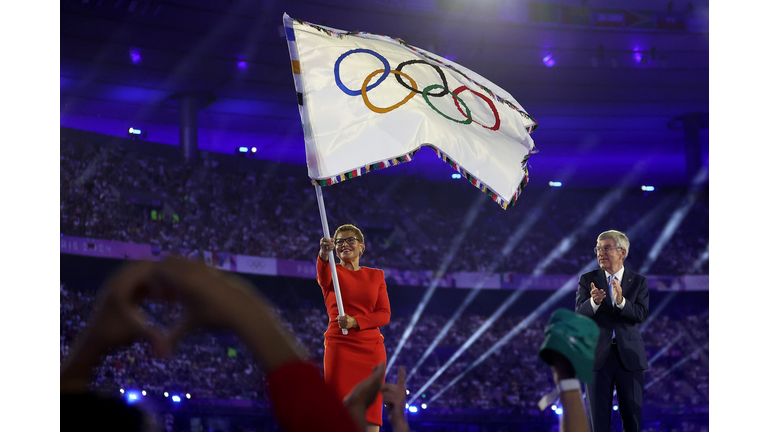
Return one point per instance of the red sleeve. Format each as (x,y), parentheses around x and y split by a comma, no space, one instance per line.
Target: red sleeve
(381,312)
(302,401)
(324,277)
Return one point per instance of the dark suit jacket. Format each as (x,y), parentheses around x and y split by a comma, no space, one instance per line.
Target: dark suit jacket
(634,289)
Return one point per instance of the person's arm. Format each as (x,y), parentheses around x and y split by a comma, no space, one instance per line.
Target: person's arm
(235,304)
(637,311)
(574,417)
(381,312)
(212,300)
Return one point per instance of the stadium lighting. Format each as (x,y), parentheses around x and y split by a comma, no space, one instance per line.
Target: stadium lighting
(559,411)
(615,407)
(510,245)
(455,176)
(165,394)
(242,149)
(648,188)
(549,61)
(122,391)
(407,392)
(135,54)
(423,406)
(469,219)
(176,398)
(413,409)
(554,407)
(555,183)
(143,392)
(132,396)
(136,133)
(189,396)
(253,149)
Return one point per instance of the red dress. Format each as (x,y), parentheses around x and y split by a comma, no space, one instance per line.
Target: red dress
(350,359)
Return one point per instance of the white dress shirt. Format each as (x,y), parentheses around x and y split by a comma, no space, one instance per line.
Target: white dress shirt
(619,274)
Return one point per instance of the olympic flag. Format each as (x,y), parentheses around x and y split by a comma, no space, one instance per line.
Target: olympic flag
(370,101)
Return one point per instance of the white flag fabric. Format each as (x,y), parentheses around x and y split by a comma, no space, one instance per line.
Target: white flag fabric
(371,101)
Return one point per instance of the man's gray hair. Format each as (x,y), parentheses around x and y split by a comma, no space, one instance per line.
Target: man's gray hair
(621,239)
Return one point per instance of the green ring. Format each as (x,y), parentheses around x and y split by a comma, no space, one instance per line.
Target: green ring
(425,94)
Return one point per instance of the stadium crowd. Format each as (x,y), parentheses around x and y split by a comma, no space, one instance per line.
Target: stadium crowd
(114,194)
(217,365)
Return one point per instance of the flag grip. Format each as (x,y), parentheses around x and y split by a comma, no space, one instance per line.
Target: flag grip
(331,260)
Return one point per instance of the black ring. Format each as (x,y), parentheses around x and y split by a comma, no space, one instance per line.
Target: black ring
(400,67)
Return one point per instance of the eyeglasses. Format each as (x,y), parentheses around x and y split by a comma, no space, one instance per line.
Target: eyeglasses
(608,249)
(349,240)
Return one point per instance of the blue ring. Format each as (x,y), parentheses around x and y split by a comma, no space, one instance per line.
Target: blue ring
(372,86)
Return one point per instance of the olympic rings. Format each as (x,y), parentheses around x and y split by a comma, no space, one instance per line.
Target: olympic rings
(359,50)
(468,115)
(439,72)
(413,88)
(386,110)
(486,99)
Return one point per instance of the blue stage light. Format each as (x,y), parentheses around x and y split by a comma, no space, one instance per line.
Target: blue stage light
(648,188)
(176,398)
(549,61)
(615,407)
(132,396)
(455,176)
(559,411)
(555,183)
(423,406)
(242,149)
(413,409)
(554,407)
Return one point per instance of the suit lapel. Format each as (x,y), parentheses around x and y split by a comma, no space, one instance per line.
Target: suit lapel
(602,280)
(626,281)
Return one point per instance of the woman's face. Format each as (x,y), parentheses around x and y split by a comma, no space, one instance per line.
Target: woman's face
(346,251)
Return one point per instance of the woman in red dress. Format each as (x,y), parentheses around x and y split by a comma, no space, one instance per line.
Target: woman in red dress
(350,359)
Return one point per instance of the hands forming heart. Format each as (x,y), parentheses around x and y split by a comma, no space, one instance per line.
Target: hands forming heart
(211,299)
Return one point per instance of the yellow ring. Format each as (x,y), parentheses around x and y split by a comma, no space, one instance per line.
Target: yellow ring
(386,110)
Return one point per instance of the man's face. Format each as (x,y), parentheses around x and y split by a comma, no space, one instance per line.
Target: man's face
(609,257)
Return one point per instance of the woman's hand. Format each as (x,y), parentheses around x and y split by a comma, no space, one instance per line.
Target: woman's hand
(347,322)
(326,245)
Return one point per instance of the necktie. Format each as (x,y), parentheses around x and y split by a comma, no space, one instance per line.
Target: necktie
(610,289)
(613,300)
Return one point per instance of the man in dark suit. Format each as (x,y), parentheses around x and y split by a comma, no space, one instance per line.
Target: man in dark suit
(617,299)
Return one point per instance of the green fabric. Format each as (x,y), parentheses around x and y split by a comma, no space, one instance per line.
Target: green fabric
(574,336)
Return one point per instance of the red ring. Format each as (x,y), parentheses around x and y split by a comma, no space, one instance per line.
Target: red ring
(486,99)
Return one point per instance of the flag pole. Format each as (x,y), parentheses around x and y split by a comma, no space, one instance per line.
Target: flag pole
(327,233)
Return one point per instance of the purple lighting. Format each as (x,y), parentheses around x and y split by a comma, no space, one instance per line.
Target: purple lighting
(242,64)
(135,55)
(548,61)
